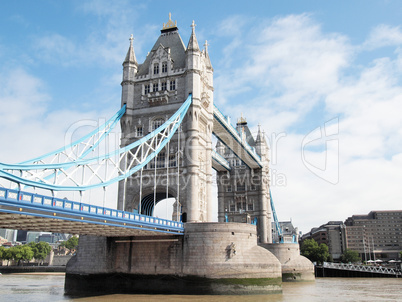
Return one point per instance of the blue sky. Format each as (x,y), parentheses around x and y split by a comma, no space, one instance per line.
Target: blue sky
(293,66)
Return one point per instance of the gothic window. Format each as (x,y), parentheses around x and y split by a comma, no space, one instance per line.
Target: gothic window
(173,85)
(160,160)
(232,208)
(156,123)
(250,207)
(155,87)
(139,131)
(164,67)
(241,187)
(156,68)
(241,206)
(229,189)
(147,88)
(163,86)
(172,160)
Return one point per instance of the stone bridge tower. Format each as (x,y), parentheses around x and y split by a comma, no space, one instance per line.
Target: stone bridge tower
(243,193)
(153,91)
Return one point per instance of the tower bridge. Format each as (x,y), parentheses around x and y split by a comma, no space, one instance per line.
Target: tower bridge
(167,120)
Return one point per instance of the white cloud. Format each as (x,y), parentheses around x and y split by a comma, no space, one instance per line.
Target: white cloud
(383,35)
(292,69)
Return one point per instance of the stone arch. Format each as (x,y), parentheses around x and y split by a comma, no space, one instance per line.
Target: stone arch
(147,202)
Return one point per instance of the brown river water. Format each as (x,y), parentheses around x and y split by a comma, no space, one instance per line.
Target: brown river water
(37,287)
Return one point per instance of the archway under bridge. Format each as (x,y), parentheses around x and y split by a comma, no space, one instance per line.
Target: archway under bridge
(149,201)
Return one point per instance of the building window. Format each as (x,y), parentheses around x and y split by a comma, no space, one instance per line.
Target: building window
(229,189)
(160,160)
(164,67)
(232,208)
(250,207)
(147,88)
(156,124)
(163,86)
(173,85)
(139,131)
(172,160)
(155,87)
(156,68)
(241,187)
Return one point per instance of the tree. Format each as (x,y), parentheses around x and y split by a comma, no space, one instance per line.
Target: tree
(350,256)
(2,249)
(22,252)
(40,250)
(71,243)
(316,253)
(7,255)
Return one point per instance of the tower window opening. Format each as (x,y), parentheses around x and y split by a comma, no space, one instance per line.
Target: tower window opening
(156,124)
(156,68)
(173,85)
(241,187)
(160,160)
(164,67)
(155,87)
(163,86)
(172,160)
(147,88)
(139,131)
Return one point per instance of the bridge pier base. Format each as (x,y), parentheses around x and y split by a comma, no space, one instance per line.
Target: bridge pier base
(211,258)
(294,266)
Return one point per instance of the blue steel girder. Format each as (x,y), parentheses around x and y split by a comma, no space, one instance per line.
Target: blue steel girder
(100,171)
(27,211)
(229,136)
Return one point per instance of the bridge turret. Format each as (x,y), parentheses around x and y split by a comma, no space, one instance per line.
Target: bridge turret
(261,145)
(153,92)
(130,68)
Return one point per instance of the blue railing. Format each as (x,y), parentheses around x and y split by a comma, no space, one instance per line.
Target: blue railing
(21,198)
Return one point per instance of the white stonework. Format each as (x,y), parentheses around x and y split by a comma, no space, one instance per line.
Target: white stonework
(153,91)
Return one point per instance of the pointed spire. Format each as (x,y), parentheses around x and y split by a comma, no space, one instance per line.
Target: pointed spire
(259,135)
(130,57)
(207,59)
(193,44)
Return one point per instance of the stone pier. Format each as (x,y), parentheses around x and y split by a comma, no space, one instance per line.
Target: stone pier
(211,258)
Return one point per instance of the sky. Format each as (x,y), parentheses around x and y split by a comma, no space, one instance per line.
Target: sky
(323,78)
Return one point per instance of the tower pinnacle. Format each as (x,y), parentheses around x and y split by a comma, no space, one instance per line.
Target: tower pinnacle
(193,44)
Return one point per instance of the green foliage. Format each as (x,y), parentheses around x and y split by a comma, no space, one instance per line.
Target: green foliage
(7,254)
(40,249)
(350,256)
(2,249)
(315,252)
(22,252)
(71,243)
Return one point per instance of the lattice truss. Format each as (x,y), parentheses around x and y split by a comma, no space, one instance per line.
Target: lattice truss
(72,169)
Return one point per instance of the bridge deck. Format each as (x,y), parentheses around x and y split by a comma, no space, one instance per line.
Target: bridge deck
(26,211)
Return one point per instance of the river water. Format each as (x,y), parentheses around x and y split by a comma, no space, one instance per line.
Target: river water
(37,287)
